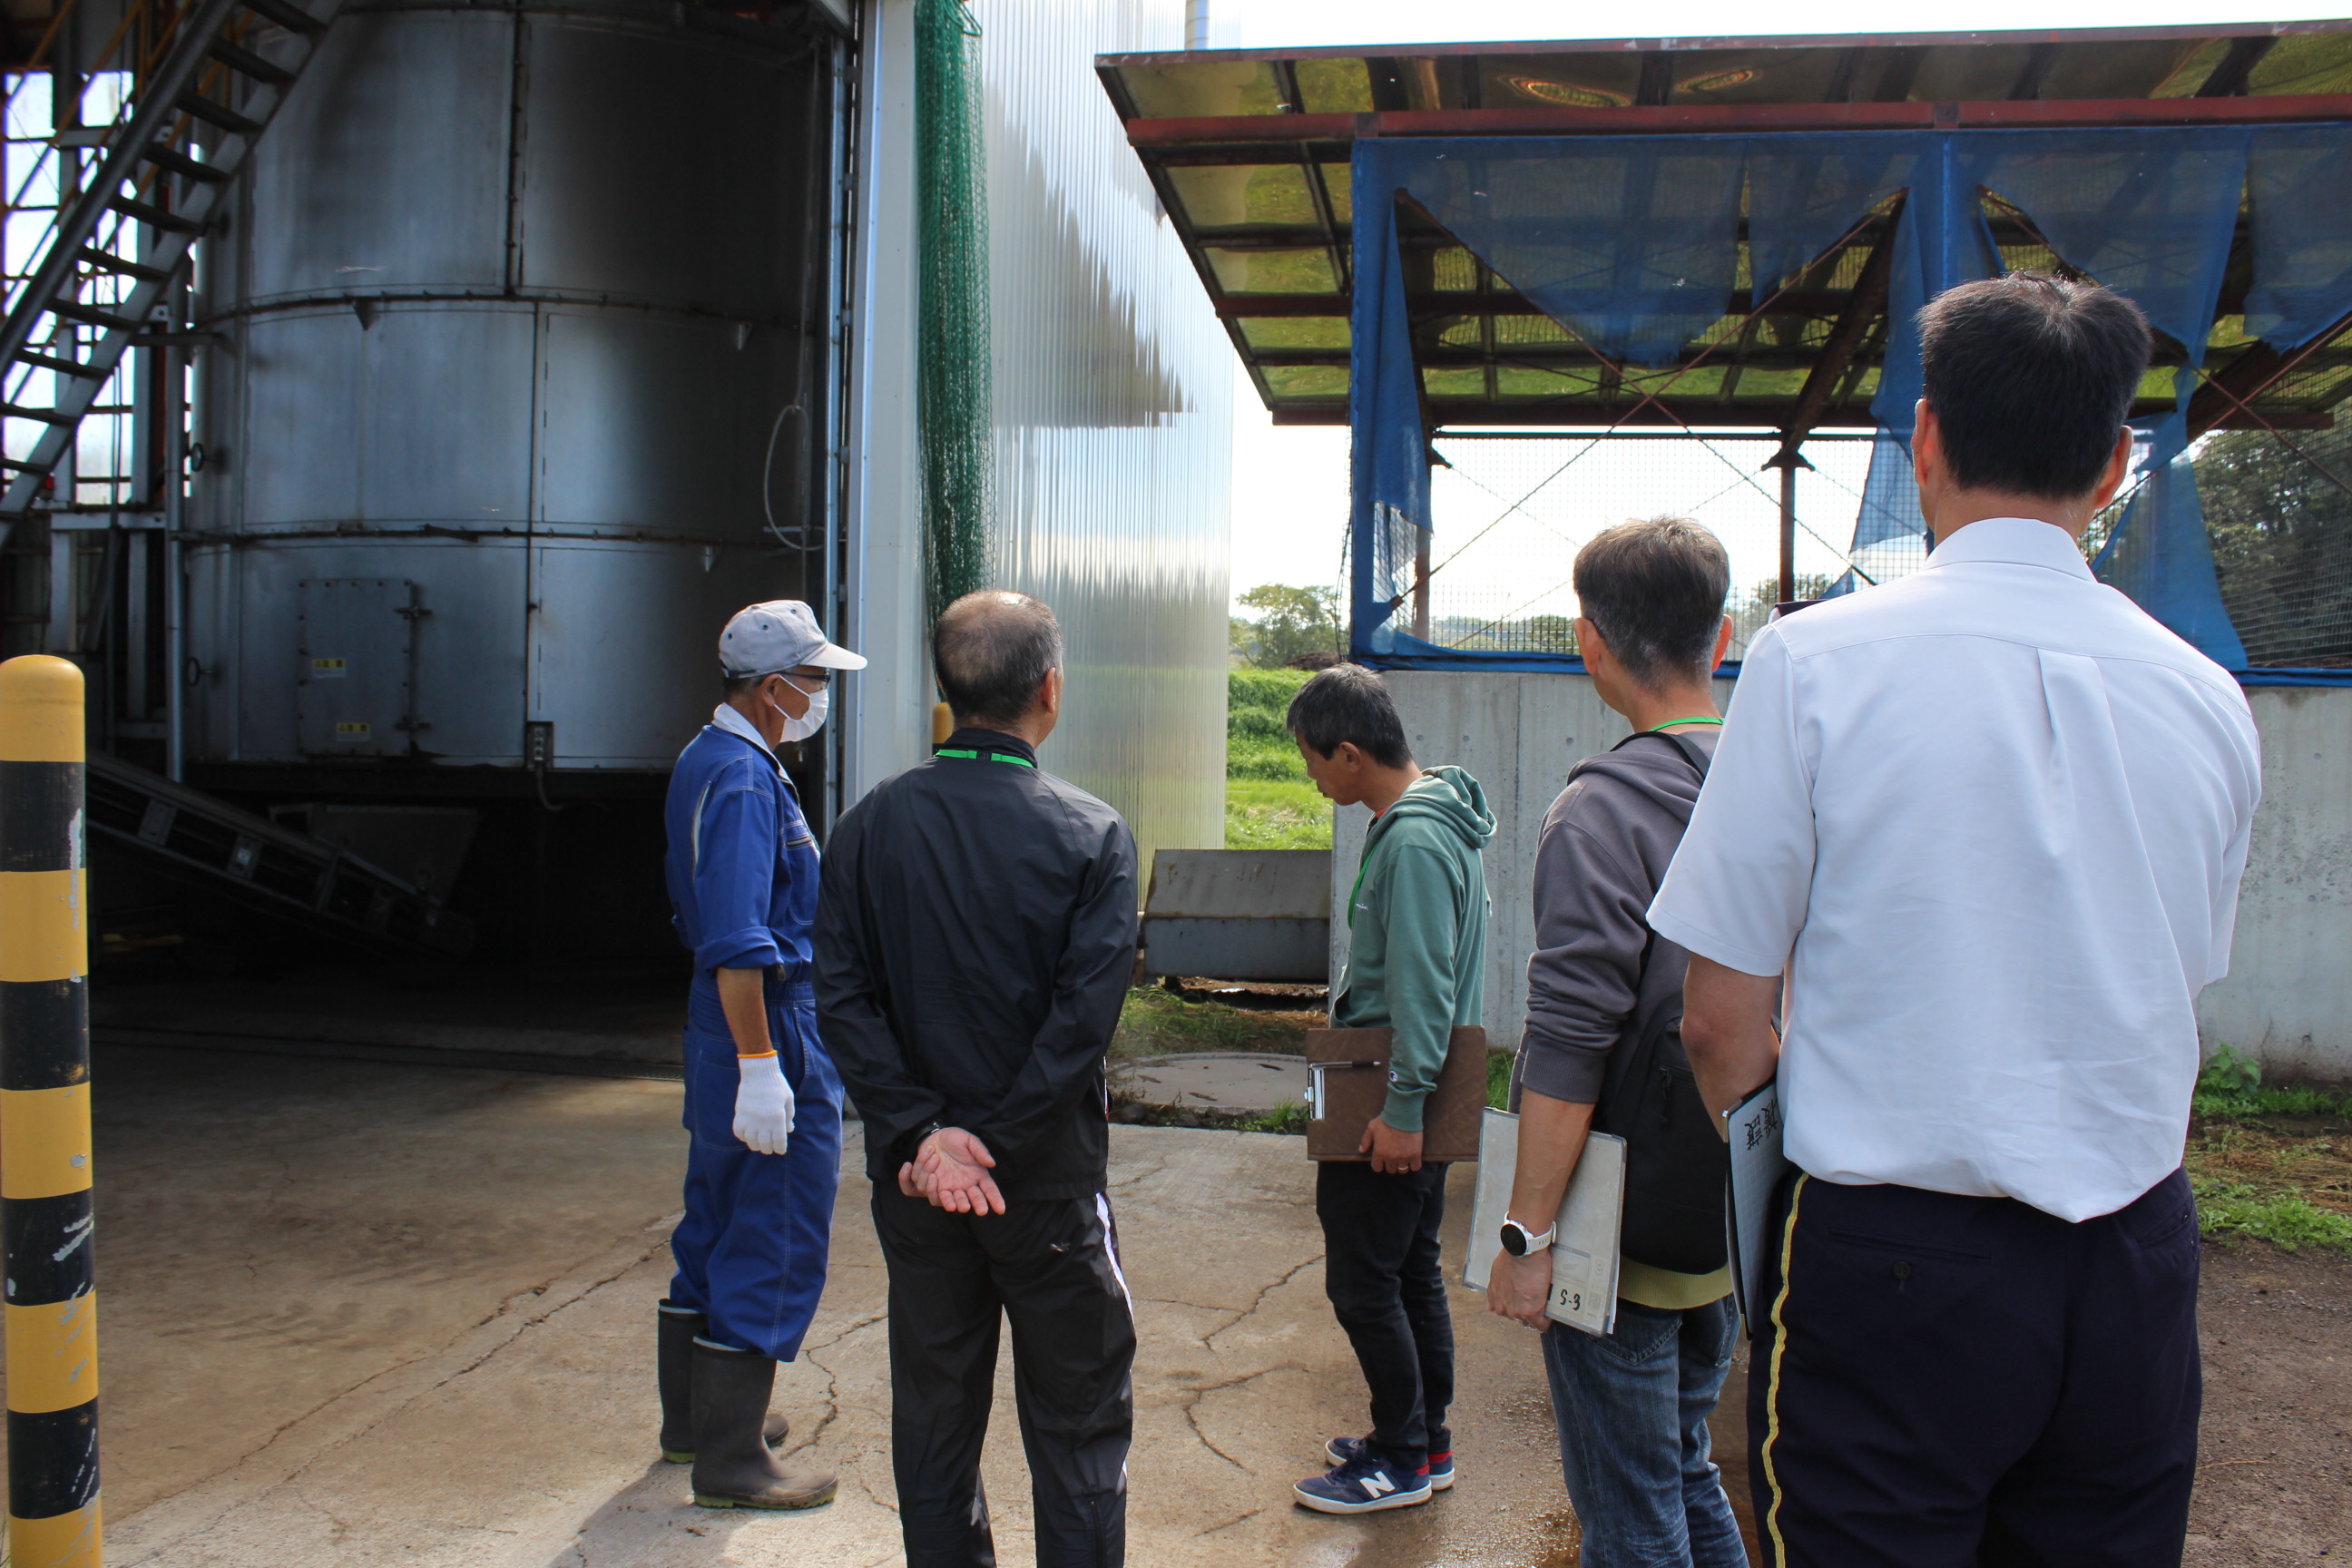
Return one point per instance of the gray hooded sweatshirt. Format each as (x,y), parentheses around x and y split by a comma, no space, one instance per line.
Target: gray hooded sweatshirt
(1602,852)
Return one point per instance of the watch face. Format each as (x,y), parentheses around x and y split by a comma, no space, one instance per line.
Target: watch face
(1515,1240)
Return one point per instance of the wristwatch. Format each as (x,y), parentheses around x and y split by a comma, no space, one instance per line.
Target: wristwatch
(1518,1240)
(914,1140)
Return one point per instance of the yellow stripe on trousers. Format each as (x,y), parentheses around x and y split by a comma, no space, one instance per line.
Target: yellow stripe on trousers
(53,1354)
(44,925)
(1772,1382)
(46,1151)
(68,1541)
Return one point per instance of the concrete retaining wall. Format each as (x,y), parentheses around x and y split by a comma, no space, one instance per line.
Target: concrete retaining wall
(2288,999)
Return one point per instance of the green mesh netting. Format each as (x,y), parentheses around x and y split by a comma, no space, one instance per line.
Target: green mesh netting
(952,411)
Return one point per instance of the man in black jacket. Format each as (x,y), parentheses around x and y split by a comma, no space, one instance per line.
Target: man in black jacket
(974,937)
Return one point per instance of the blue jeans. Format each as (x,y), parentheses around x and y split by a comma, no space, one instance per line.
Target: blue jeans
(1633,1445)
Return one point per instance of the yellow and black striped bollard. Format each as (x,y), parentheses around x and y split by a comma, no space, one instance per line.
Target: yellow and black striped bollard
(51,1308)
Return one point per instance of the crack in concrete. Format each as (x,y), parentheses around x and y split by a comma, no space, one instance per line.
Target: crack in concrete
(831,1397)
(1242,1519)
(1193,1398)
(510,1339)
(1259,1300)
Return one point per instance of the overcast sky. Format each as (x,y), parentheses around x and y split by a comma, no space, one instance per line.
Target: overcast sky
(1290,486)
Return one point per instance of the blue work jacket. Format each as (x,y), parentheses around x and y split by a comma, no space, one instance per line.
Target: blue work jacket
(742,864)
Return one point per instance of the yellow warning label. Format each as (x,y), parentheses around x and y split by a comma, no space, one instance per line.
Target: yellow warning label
(328,669)
(352,730)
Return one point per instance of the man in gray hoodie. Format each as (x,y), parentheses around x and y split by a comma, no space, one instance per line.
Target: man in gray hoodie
(1604,1009)
(1417,926)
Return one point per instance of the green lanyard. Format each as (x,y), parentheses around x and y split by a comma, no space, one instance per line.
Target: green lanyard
(1696,718)
(1018,761)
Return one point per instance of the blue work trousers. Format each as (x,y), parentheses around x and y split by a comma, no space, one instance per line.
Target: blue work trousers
(1633,1445)
(751,1250)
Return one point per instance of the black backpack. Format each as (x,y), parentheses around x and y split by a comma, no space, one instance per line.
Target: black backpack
(1677,1164)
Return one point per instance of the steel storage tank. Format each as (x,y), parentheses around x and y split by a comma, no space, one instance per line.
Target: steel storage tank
(518,334)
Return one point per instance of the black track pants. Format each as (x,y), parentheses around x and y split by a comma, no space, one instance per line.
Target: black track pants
(1052,1266)
(1386,1281)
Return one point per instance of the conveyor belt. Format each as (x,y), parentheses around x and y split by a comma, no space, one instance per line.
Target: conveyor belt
(188,835)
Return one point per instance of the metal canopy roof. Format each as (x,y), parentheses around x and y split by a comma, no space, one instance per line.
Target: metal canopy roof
(1249,152)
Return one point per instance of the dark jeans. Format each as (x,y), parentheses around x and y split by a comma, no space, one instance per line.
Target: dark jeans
(1051,1266)
(1634,1444)
(1951,1381)
(1382,1272)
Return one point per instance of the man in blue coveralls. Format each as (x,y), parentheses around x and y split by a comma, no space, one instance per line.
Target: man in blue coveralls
(762,1102)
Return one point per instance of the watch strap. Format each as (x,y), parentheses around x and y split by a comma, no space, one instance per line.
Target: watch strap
(1535,1240)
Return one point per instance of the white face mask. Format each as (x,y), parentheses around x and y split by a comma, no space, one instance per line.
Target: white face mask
(810,722)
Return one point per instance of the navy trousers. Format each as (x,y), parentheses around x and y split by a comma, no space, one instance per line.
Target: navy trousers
(1949,1382)
(752,1248)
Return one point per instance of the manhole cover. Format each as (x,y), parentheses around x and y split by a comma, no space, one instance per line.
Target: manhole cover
(1213,1081)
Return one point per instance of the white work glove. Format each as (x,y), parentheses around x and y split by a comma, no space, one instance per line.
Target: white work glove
(763,1104)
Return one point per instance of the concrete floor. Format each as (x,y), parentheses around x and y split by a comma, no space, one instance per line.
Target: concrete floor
(358,1314)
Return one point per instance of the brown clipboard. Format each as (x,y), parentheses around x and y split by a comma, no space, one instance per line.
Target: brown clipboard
(1354,1094)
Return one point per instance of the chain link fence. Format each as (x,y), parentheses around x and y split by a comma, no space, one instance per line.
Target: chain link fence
(1511,509)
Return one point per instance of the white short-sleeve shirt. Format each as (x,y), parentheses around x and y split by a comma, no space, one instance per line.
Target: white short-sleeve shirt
(1993,818)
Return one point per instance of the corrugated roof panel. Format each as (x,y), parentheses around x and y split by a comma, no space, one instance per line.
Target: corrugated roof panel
(1230,137)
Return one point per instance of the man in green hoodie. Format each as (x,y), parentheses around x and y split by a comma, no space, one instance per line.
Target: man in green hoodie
(1417,923)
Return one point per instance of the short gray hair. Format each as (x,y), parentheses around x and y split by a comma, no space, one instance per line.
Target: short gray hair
(1656,589)
(992,650)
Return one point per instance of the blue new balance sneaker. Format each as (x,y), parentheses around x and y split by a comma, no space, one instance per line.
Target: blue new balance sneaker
(1363,1485)
(1344,1450)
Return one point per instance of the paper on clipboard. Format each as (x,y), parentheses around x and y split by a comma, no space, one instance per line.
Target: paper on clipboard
(1584,1255)
(1757,1167)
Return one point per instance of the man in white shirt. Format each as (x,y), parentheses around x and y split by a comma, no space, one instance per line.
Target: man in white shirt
(1990,820)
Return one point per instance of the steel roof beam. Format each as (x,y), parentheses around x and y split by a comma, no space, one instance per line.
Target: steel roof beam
(1730,119)
(1773,42)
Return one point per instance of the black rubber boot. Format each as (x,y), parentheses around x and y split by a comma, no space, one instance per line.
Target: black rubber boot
(732,1467)
(674,1369)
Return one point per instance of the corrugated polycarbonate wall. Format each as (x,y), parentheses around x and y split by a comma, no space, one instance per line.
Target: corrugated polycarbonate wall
(1113,408)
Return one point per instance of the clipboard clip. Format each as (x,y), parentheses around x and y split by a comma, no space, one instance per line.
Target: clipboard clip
(1315,1071)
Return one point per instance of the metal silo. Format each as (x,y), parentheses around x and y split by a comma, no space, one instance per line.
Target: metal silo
(516,376)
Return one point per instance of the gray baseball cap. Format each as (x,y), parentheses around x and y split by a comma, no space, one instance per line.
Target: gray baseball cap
(782,633)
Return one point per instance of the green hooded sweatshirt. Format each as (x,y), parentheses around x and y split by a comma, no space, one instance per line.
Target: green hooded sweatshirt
(1417,922)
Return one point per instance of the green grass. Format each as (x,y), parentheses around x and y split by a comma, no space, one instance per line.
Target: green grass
(1288,1116)
(2287,1220)
(1499,1079)
(1154,1022)
(1269,802)
(1267,813)
(2269,1161)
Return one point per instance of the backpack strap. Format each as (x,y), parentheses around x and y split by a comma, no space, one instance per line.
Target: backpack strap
(1631,1053)
(1690,754)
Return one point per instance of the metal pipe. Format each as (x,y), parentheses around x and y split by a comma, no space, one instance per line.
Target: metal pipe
(1421,584)
(1196,24)
(840,253)
(135,649)
(175,587)
(1788,525)
(51,1314)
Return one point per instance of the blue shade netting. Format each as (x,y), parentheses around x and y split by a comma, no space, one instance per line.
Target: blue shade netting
(1389,457)
(1630,243)
(2162,557)
(2299,201)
